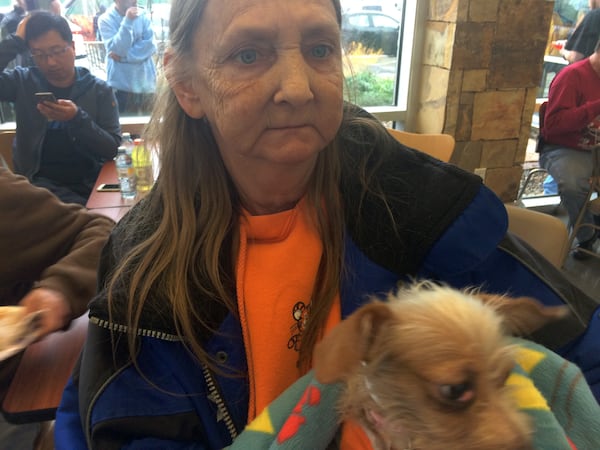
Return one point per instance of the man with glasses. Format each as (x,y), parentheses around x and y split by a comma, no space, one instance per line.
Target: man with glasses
(60,145)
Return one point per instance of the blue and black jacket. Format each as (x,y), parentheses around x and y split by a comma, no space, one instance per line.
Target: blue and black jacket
(447,226)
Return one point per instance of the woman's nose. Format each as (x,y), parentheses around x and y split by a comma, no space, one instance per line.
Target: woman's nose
(295,80)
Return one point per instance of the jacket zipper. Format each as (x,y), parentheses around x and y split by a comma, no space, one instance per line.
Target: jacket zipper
(215,397)
(213,391)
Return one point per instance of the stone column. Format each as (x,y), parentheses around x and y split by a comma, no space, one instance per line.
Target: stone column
(481,66)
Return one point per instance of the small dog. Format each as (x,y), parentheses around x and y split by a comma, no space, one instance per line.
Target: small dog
(426,370)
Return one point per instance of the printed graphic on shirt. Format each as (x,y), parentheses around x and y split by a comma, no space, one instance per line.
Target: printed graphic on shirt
(300,314)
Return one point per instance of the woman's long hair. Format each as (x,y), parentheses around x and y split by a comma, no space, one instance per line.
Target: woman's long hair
(192,252)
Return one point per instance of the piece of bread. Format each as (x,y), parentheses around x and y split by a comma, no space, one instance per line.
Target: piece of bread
(16,326)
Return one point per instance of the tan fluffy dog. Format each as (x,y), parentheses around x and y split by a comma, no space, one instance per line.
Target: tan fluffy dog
(426,370)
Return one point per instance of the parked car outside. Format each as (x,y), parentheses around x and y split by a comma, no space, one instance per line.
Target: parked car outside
(373,29)
(393,8)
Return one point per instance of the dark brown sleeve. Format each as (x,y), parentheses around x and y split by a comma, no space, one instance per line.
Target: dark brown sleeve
(49,243)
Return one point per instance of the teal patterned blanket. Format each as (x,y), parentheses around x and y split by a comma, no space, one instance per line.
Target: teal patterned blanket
(550,389)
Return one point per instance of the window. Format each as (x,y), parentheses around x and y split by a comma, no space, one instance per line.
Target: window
(377,36)
(384,22)
(566,15)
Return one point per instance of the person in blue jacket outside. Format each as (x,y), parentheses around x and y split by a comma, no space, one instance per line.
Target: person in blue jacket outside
(127,34)
(279,210)
(59,145)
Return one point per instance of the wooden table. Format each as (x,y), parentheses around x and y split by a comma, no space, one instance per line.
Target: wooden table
(45,367)
(101,200)
(110,204)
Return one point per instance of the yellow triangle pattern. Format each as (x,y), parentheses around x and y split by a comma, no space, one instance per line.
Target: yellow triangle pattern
(523,389)
(525,393)
(262,423)
(528,358)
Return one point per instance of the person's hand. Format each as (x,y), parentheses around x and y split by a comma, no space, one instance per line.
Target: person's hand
(133,13)
(113,55)
(56,310)
(62,110)
(21,27)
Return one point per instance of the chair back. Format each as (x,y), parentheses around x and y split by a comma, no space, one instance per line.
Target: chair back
(438,145)
(545,233)
(590,206)
(6,142)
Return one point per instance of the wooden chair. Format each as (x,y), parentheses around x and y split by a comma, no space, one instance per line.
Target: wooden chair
(591,205)
(545,233)
(440,146)
(6,141)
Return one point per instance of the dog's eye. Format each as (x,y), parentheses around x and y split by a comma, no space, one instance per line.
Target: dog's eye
(461,393)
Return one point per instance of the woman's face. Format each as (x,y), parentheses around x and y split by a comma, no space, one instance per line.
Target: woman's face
(268,79)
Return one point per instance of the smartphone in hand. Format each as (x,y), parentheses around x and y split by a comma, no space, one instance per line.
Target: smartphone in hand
(45,97)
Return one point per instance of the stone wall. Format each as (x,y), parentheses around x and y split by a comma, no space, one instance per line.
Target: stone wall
(482,63)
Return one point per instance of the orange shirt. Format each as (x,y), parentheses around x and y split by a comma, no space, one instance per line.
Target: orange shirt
(276,270)
(354,437)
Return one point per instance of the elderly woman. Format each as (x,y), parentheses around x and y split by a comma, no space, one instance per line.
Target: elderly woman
(279,209)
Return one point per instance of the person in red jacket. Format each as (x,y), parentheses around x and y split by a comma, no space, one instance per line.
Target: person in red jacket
(571,130)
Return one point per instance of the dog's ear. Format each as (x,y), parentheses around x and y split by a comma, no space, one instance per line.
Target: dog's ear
(347,344)
(523,315)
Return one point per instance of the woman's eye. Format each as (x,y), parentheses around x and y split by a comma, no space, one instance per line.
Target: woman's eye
(247,56)
(320,51)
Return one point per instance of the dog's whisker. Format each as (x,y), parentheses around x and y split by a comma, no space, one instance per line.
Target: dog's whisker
(369,386)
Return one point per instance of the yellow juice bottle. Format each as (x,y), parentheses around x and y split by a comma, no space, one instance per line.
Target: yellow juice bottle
(142,162)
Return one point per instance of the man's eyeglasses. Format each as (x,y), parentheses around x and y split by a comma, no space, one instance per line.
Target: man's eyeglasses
(54,52)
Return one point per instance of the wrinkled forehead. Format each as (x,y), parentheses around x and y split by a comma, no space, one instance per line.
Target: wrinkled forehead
(222,15)
(241,5)
(235,21)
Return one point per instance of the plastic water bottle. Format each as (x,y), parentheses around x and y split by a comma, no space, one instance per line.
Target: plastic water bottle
(142,162)
(126,174)
(127,142)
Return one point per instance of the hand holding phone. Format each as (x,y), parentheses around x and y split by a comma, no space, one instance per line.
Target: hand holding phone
(45,97)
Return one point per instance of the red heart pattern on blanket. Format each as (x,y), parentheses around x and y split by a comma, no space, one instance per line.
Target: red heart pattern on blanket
(310,397)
